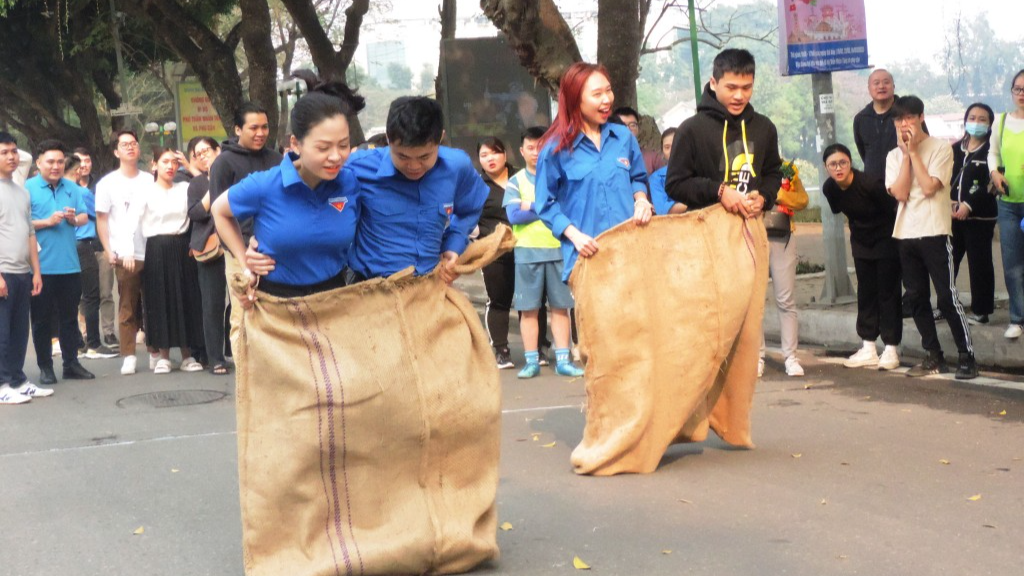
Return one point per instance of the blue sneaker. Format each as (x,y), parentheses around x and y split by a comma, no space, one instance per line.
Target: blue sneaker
(568,369)
(529,371)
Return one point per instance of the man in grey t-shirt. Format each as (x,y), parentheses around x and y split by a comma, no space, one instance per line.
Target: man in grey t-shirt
(20,279)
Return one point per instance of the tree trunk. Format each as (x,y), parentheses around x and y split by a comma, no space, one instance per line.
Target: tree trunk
(539,36)
(259,51)
(618,46)
(449,21)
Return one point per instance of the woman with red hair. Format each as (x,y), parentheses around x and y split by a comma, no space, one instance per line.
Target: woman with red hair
(590,174)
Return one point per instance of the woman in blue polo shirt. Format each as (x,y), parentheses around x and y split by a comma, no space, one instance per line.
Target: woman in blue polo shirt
(305,210)
(590,175)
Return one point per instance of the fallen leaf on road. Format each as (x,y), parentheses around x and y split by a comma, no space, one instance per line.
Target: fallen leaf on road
(824,502)
(551,445)
(946,462)
(579,564)
(174,470)
(844,463)
(139,531)
(807,386)
(506,526)
(797,455)
(666,552)
(866,398)
(535,436)
(975,498)
(842,557)
(905,410)
(685,501)
(1003,413)
(988,525)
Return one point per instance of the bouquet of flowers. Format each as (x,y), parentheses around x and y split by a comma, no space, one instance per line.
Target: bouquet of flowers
(790,182)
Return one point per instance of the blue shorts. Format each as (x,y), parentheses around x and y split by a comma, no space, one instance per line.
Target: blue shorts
(534,280)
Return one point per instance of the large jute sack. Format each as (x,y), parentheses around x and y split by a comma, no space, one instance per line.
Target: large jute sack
(368,428)
(669,319)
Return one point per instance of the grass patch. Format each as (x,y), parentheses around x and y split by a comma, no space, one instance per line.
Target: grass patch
(805,267)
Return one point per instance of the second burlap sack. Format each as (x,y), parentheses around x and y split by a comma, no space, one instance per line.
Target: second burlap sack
(670,328)
(368,428)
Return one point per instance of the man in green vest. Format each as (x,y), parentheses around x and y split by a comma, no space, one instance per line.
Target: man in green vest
(538,257)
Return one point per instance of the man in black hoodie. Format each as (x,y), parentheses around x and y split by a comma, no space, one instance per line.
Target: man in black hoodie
(239,157)
(873,129)
(726,153)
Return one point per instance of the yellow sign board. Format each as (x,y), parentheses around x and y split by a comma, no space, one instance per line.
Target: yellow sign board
(198,116)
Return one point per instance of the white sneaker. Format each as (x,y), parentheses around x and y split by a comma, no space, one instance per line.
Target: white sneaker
(760,367)
(866,356)
(1013,332)
(890,359)
(128,367)
(793,367)
(9,395)
(153,359)
(32,391)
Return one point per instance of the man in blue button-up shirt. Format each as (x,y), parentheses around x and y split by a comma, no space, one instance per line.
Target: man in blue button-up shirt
(57,210)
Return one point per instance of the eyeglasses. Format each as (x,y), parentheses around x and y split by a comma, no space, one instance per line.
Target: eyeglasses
(128,145)
(632,125)
(1017,90)
(202,153)
(838,164)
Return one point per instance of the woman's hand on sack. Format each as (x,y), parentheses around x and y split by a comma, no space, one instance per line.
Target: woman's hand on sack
(248,300)
(257,262)
(447,272)
(584,244)
(642,210)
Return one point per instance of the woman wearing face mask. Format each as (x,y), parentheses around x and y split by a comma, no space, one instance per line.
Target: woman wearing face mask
(1006,153)
(974,210)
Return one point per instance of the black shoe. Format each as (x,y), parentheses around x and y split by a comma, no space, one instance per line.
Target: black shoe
(504,358)
(937,315)
(47,377)
(976,319)
(966,368)
(542,357)
(933,363)
(77,372)
(111,340)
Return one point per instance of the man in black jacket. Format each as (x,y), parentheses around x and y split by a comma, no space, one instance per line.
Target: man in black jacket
(239,157)
(726,153)
(873,129)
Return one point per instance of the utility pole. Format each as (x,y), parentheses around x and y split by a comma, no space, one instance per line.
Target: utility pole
(838,288)
(698,86)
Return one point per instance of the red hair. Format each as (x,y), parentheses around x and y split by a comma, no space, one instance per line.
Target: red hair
(569,122)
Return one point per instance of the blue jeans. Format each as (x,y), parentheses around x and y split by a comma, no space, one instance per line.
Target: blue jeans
(14,322)
(1011,240)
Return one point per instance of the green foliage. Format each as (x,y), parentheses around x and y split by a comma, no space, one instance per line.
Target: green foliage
(399,76)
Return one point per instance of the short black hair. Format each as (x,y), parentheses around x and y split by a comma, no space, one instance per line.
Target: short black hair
(190,148)
(71,163)
(614,119)
(533,133)
(246,109)
(492,142)
(626,111)
(415,121)
(907,106)
(82,150)
(7,138)
(50,145)
(377,141)
(669,132)
(832,149)
(117,137)
(735,60)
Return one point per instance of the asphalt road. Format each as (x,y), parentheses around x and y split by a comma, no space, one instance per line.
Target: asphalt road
(856,472)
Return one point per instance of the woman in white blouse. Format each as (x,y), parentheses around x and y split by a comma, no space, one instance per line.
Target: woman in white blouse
(170,280)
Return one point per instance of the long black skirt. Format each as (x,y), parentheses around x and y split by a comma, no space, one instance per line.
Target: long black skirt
(171,298)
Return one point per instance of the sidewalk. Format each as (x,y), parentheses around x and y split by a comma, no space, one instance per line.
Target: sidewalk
(833,326)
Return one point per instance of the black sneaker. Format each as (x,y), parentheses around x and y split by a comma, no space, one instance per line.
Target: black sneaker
(542,357)
(933,363)
(966,368)
(111,341)
(976,319)
(504,358)
(77,372)
(101,352)
(937,315)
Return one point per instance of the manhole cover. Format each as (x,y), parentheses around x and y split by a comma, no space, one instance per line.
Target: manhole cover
(171,399)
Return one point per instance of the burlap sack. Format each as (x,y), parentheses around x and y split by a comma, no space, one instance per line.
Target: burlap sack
(368,428)
(669,319)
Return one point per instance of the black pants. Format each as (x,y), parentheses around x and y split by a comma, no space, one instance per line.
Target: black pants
(14,328)
(879,305)
(500,282)
(213,287)
(59,299)
(974,238)
(932,257)
(90,304)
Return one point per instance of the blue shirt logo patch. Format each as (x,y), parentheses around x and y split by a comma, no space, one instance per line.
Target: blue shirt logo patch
(624,162)
(338,202)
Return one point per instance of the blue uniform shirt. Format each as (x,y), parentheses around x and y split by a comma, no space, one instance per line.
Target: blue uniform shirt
(588,188)
(308,232)
(58,252)
(411,223)
(88,230)
(659,197)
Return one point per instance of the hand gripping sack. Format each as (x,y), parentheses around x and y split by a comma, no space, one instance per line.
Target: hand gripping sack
(669,318)
(368,428)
